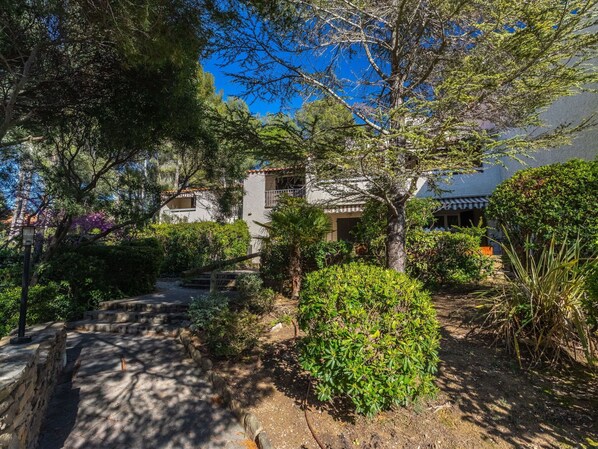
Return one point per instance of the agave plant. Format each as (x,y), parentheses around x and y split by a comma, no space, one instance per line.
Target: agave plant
(541,305)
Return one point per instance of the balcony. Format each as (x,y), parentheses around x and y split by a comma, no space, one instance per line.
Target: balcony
(272,196)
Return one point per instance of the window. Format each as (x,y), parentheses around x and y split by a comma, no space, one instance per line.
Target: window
(344,229)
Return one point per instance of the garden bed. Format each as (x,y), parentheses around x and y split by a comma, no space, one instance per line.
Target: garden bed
(484,399)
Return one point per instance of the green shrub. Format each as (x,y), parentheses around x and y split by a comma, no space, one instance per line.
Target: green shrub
(131,267)
(9,309)
(85,277)
(91,274)
(541,307)
(192,245)
(371,229)
(11,268)
(372,335)
(249,285)
(447,257)
(275,261)
(325,254)
(590,301)
(204,309)
(49,302)
(557,200)
(232,333)
(253,296)
(228,328)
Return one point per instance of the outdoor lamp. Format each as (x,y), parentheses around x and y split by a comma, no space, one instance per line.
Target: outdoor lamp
(28,233)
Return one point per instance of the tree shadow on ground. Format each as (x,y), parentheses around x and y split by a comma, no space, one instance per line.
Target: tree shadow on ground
(132,391)
(513,405)
(479,383)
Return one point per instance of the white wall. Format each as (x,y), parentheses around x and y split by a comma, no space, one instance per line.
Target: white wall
(584,146)
(205,210)
(254,206)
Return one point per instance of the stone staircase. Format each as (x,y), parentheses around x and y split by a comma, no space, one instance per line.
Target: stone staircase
(225,280)
(135,317)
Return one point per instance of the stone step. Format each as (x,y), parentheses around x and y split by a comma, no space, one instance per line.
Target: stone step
(125,328)
(205,283)
(120,316)
(220,276)
(144,306)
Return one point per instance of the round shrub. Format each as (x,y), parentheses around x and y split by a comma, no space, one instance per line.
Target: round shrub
(372,335)
(231,333)
(205,308)
(252,294)
(557,200)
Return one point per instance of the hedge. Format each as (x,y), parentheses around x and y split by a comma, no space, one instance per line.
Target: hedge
(192,245)
(557,200)
(447,257)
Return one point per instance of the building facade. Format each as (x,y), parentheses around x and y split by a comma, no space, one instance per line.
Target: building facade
(462,204)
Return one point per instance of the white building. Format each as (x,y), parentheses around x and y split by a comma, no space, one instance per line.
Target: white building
(463,202)
(195,204)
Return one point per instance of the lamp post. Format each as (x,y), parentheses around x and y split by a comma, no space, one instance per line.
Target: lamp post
(28,235)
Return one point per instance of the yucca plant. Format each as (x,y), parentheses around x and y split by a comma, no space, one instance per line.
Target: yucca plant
(541,306)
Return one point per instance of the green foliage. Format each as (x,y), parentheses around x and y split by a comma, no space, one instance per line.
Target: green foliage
(372,335)
(131,267)
(226,331)
(447,257)
(590,301)
(434,257)
(232,333)
(49,302)
(275,261)
(11,268)
(9,309)
(371,229)
(192,245)
(541,307)
(229,325)
(204,309)
(90,274)
(557,200)
(253,295)
(297,223)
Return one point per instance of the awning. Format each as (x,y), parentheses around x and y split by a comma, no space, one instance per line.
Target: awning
(463,203)
(344,209)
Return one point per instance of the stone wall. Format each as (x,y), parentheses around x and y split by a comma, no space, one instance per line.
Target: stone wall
(28,374)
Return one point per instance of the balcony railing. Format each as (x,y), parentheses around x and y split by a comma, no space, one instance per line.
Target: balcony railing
(272,196)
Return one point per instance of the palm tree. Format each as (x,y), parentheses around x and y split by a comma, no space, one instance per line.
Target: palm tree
(297,224)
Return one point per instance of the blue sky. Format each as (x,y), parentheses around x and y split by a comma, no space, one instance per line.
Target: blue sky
(229,88)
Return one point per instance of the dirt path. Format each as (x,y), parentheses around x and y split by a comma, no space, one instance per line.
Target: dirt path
(137,393)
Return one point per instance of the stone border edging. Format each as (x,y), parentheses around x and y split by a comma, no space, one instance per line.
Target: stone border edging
(253,428)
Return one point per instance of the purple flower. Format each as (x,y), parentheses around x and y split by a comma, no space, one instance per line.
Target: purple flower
(92,223)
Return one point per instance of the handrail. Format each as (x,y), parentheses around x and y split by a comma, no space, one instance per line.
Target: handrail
(273,195)
(219,264)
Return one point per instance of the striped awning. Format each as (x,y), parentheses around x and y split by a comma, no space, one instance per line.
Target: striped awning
(344,208)
(463,203)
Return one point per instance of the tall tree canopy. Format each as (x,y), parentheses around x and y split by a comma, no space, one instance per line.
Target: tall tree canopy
(437,82)
(98,98)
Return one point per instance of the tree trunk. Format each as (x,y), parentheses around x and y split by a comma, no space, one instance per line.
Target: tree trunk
(295,272)
(396,253)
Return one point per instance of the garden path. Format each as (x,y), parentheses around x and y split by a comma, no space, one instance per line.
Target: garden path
(136,392)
